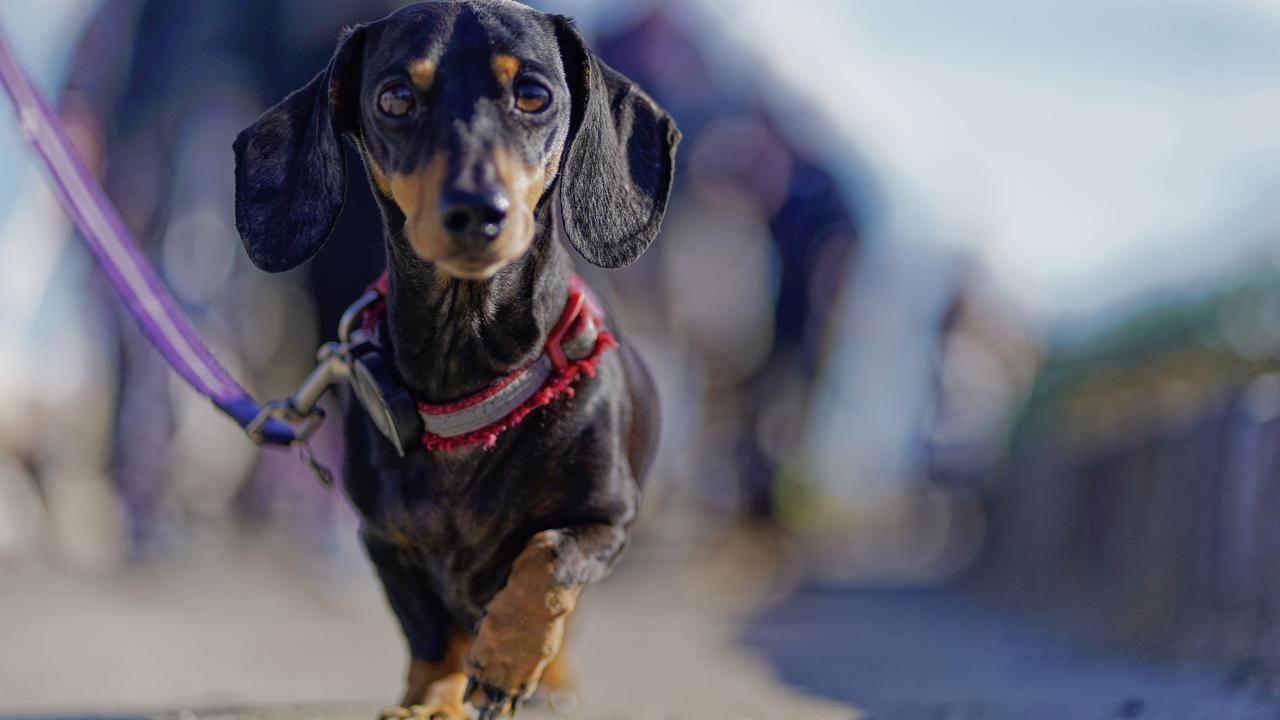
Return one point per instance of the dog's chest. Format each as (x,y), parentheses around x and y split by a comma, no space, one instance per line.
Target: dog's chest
(451,520)
(442,510)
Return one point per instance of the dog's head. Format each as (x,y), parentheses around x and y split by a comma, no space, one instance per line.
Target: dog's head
(470,116)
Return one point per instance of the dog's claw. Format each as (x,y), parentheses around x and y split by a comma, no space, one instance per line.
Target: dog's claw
(471,688)
(522,697)
(497,702)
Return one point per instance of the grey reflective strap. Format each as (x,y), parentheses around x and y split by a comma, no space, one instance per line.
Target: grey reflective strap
(493,408)
(512,395)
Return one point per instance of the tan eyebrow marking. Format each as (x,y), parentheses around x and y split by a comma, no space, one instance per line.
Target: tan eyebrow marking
(422,73)
(505,67)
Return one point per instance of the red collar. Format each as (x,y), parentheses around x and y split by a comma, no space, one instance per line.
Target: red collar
(573,348)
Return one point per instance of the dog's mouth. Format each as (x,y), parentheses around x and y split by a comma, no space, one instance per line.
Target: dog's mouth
(468,268)
(470,260)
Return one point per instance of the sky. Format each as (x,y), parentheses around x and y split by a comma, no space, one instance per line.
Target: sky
(1088,152)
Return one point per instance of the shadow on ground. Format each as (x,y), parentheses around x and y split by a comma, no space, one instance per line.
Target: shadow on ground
(942,655)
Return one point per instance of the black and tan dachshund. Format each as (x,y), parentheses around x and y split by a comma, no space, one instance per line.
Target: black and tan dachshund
(488,130)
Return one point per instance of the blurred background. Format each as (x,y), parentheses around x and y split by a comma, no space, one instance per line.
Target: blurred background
(966,318)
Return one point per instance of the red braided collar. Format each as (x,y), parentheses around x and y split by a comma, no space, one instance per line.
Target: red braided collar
(573,348)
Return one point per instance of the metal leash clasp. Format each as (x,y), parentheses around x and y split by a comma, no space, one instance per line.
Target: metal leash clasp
(334,367)
(301,409)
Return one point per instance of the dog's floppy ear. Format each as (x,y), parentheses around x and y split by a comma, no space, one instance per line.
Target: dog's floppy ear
(619,159)
(291,175)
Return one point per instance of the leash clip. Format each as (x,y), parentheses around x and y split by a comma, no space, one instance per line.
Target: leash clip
(300,409)
(282,410)
(335,362)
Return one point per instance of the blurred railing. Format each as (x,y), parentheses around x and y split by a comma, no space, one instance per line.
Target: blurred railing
(1139,484)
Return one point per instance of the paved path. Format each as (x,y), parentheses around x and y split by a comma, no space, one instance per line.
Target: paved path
(258,638)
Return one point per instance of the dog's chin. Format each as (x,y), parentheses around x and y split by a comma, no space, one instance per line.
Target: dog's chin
(468,269)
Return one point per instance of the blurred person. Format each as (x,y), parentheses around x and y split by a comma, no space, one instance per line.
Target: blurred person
(987,360)
(166,86)
(759,242)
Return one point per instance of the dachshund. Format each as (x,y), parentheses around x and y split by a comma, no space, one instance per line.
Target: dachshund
(488,132)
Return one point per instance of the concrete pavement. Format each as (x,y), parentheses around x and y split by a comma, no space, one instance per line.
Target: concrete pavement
(237,632)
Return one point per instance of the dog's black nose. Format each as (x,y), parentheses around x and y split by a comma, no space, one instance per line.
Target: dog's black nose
(473,215)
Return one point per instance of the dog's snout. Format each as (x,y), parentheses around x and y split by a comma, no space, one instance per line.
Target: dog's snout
(473,215)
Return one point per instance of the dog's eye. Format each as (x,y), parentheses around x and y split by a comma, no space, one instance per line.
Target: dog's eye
(396,101)
(532,97)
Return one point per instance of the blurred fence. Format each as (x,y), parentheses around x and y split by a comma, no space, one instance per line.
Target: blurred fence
(1138,487)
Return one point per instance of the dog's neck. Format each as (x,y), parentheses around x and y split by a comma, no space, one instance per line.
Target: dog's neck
(452,338)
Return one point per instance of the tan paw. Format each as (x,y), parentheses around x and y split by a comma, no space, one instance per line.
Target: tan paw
(521,633)
(515,644)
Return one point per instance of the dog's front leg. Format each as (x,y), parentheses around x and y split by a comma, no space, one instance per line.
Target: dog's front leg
(523,625)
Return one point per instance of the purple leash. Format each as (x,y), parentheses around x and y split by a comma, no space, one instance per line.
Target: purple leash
(143,293)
